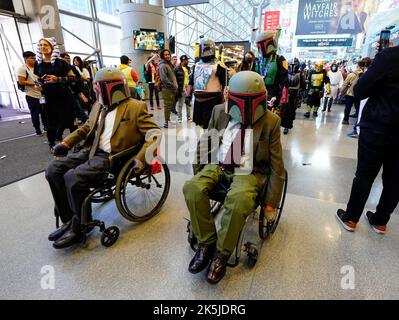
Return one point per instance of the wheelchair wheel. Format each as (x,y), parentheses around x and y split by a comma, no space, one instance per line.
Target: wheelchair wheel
(109,236)
(281,206)
(269,228)
(104,195)
(139,197)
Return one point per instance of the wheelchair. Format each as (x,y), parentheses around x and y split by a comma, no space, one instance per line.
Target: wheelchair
(265,229)
(138,196)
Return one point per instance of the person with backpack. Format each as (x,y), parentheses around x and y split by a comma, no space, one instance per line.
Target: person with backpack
(27,85)
(150,73)
(130,74)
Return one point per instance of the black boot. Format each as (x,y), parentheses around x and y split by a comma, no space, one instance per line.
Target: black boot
(71,237)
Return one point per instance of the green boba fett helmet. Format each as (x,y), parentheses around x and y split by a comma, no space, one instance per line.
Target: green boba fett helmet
(265,43)
(247,95)
(110,86)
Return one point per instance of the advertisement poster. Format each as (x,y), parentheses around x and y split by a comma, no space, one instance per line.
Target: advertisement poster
(317,17)
(272,20)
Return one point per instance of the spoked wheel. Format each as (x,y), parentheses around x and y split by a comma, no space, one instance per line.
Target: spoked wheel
(281,206)
(104,195)
(267,228)
(139,197)
(109,236)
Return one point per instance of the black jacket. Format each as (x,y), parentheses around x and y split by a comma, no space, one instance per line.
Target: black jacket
(179,72)
(381,85)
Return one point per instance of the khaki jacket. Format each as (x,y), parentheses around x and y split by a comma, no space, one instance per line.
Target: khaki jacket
(350,83)
(132,122)
(268,155)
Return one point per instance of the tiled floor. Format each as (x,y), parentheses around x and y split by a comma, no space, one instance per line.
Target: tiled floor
(308,257)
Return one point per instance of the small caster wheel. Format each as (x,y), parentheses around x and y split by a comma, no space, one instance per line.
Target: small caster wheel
(252,255)
(109,236)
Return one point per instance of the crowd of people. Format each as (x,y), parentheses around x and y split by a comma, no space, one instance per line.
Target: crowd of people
(262,94)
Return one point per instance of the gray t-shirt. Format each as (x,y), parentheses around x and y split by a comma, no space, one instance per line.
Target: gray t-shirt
(29,90)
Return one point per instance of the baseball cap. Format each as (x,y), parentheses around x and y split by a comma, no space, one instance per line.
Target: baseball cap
(27,54)
(183,57)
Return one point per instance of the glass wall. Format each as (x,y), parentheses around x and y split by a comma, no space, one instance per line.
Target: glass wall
(18,34)
(76,18)
(218,20)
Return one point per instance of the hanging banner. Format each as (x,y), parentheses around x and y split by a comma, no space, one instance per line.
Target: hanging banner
(328,42)
(333,16)
(272,20)
(177,3)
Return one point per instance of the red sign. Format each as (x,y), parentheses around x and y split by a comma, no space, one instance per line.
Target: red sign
(272,20)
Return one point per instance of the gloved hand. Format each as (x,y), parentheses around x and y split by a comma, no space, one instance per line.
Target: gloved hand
(137,165)
(60,150)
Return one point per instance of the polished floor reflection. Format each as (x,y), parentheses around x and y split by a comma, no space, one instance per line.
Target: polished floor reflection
(309,257)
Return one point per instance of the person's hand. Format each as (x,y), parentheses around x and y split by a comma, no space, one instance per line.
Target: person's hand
(50,78)
(138,166)
(377,45)
(38,87)
(270,213)
(83,97)
(61,150)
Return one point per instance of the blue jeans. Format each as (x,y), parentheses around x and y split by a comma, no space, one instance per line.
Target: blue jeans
(36,112)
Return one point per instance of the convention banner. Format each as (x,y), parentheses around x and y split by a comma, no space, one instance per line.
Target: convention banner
(272,20)
(177,3)
(327,42)
(331,17)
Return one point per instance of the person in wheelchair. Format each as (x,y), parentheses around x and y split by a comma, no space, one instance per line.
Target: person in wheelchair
(117,124)
(242,175)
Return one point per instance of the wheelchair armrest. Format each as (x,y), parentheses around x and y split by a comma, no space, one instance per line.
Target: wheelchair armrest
(128,153)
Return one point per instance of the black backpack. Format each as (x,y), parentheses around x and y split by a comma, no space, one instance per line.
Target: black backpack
(21,86)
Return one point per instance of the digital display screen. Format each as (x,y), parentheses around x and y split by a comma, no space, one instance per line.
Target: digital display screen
(148,40)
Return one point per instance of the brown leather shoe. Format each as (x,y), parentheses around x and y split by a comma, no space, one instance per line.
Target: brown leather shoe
(201,258)
(217,269)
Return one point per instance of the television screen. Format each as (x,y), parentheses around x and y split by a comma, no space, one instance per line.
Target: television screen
(148,40)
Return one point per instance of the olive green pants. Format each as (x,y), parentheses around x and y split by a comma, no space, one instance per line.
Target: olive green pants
(168,102)
(239,203)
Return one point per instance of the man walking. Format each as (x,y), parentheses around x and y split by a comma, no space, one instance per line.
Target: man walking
(378,143)
(32,94)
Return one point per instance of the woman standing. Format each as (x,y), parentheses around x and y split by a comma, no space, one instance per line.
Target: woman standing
(248,63)
(85,94)
(55,75)
(150,70)
(84,73)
